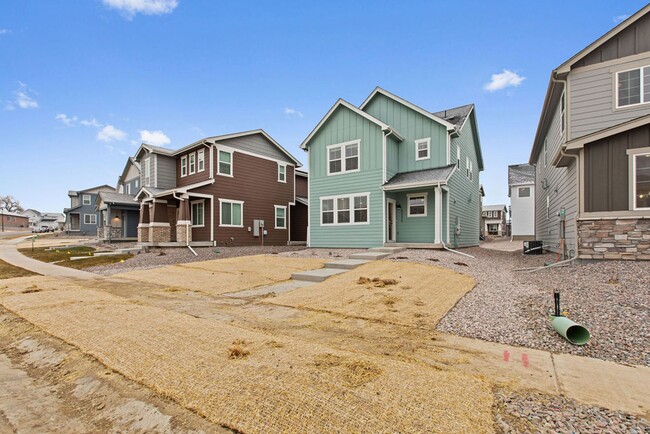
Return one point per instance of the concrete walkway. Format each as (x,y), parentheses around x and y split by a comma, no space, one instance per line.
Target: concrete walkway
(9,253)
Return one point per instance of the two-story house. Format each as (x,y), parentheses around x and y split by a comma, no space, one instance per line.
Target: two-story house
(592,149)
(521,191)
(82,217)
(234,189)
(391,173)
(120,210)
(494,219)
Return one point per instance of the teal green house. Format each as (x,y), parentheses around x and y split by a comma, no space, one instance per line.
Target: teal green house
(389,173)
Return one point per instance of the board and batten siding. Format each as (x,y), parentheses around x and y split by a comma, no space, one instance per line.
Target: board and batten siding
(344,126)
(464,196)
(414,229)
(559,185)
(592,101)
(412,126)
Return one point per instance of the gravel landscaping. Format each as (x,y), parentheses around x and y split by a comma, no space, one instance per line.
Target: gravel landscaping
(610,298)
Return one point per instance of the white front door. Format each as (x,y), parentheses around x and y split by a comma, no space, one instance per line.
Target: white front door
(391,220)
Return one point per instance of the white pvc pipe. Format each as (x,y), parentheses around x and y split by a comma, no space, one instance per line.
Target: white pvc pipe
(456,251)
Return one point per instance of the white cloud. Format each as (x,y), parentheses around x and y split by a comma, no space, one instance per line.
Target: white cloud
(69,121)
(90,123)
(620,18)
(147,7)
(504,79)
(22,98)
(109,133)
(155,138)
(4,31)
(292,113)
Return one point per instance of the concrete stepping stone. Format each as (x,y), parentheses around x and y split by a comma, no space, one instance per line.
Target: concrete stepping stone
(318,275)
(370,256)
(346,264)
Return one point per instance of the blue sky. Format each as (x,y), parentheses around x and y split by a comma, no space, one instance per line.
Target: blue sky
(82,83)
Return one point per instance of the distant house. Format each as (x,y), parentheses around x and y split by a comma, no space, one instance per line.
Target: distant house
(300,211)
(234,189)
(389,173)
(494,220)
(120,211)
(82,217)
(34,217)
(592,149)
(521,191)
(13,221)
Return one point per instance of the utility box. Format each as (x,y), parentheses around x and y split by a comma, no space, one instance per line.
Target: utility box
(257,226)
(533,247)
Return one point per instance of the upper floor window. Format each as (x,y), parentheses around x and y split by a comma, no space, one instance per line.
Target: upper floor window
(417,205)
(562,111)
(225,163)
(545,153)
(184,165)
(422,148)
(633,87)
(85,199)
(200,160)
(282,173)
(524,192)
(128,188)
(640,175)
(192,163)
(147,172)
(469,166)
(343,157)
(137,182)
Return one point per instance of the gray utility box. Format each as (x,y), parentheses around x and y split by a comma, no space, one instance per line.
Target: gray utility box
(257,225)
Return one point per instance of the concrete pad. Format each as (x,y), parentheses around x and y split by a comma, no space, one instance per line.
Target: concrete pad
(115,253)
(603,383)
(317,275)
(346,264)
(370,256)
(387,249)
(270,289)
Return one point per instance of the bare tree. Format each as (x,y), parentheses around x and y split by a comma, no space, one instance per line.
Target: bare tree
(10,204)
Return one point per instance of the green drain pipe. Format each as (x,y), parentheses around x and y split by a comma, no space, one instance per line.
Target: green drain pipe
(571,331)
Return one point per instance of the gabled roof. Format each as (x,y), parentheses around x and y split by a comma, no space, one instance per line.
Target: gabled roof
(129,162)
(76,193)
(13,214)
(149,191)
(302,173)
(423,112)
(521,174)
(494,208)
(152,150)
(420,178)
(342,103)
(117,198)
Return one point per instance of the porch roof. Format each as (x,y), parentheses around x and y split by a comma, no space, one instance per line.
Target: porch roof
(420,178)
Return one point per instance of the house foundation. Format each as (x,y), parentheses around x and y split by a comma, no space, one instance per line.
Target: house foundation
(614,238)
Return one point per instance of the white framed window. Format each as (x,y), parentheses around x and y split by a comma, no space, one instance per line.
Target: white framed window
(224,167)
(85,199)
(422,149)
(523,192)
(280,217)
(545,151)
(200,160)
(640,180)
(345,210)
(343,157)
(467,167)
(231,213)
(417,204)
(458,157)
(471,170)
(90,219)
(562,112)
(548,206)
(147,172)
(128,188)
(633,87)
(192,163)
(197,213)
(183,165)
(282,173)
(137,182)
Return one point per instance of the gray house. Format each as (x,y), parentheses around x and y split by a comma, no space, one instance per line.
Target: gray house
(120,211)
(592,149)
(82,217)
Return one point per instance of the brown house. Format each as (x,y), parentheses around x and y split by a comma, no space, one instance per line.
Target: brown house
(12,220)
(235,189)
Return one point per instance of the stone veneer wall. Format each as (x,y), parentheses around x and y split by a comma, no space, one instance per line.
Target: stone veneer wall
(614,238)
(108,232)
(143,233)
(182,232)
(159,234)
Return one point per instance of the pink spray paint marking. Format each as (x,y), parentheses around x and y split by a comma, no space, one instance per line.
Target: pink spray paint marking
(524,359)
(506,355)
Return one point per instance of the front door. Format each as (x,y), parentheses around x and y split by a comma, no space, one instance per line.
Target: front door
(392,222)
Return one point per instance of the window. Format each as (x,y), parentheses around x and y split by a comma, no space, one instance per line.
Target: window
(343,157)
(545,153)
(192,163)
(232,212)
(90,219)
(197,213)
(562,111)
(225,163)
(128,188)
(137,182)
(641,181)
(422,149)
(548,206)
(147,172)
(524,191)
(467,167)
(86,199)
(345,210)
(471,170)
(489,214)
(417,205)
(282,173)
(184,165)
(458,157)
(200,160)
(633,87)
(280,217)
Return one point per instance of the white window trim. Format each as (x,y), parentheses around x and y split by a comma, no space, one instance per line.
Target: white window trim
(563,113)
(519,192)
(545,154)
(202,201)
(219,151)
(83,199)
(200,158)
(93,220)
(641,73)
(458,157)
(275,220)
(342,146)
(426,204)
(335,210)
(471,170)
(467,167)
(241,202)
(428,143)
(191,167)
(128,188)
(632,154)
(183,166)
(147,172)
(285,173)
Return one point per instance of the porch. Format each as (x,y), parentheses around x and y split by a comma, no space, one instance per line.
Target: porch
(118,224)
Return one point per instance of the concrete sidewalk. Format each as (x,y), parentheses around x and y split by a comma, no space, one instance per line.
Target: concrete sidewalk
(9,253)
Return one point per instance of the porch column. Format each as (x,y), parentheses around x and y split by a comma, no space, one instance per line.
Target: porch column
(159,228)
(143,226)
(184,224)
(437,200)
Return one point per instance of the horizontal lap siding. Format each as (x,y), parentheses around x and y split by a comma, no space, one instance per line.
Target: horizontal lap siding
(302,188)
(257,144)
(414,229)
(345,125)
(204,175)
